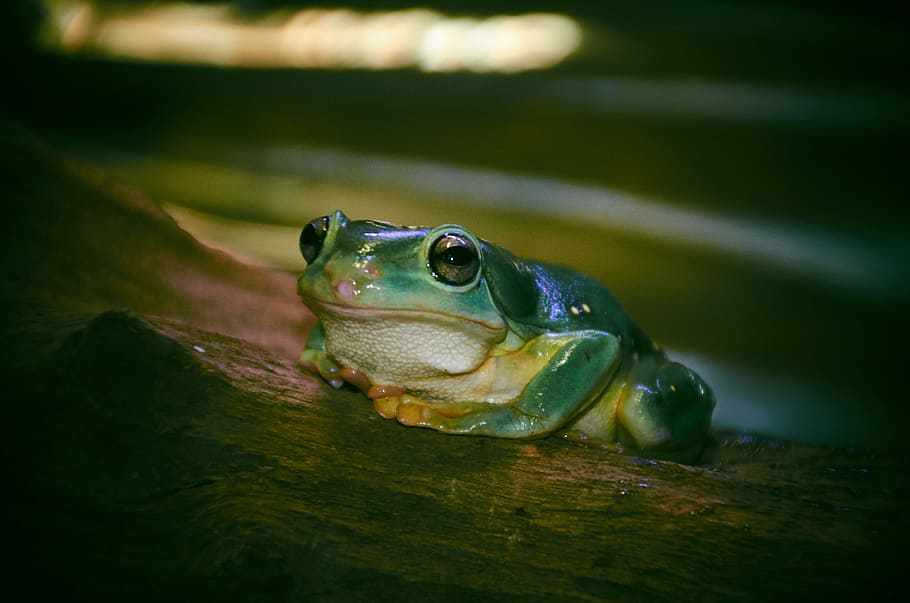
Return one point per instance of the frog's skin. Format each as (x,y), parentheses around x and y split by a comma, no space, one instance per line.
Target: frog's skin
(444,330)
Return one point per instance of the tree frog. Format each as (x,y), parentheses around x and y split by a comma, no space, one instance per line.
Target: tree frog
(442,329)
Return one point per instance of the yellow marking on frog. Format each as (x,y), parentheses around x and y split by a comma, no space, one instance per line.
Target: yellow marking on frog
(499,380)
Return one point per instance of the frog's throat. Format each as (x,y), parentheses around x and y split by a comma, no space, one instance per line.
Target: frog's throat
(403,346)
(378,313)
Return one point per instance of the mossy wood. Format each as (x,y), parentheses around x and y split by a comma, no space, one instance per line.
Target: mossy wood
(162,443)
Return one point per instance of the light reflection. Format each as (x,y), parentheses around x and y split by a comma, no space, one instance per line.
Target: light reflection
(317,38)
(837,259)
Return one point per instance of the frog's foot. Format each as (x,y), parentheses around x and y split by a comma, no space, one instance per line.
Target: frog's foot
(478,418)
(391,402)
(336,375)
(475,418)
(318,362)
(386,399)
(670,417)
(414,412)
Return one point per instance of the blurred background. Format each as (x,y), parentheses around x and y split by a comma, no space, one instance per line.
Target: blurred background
(733,171)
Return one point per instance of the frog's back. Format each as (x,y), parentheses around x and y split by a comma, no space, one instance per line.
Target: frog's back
(576,301)
(539,297)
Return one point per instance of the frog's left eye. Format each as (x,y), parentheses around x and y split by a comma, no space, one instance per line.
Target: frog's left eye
(312,238)
(454,259)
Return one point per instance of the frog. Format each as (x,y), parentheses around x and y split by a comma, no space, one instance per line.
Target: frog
(444,330)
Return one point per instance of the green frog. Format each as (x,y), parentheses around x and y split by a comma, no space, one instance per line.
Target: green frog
(442,329)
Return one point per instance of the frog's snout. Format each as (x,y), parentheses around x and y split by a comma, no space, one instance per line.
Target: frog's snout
(350,282)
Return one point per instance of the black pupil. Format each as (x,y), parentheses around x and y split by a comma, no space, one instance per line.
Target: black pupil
(458,256)
(309,235)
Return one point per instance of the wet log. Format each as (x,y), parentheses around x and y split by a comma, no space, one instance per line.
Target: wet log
(161,442)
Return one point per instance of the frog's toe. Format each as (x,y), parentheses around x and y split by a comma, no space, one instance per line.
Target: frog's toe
(410,410)
(414,414)
(387,407)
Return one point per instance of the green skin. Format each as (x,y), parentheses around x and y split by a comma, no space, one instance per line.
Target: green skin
(522,349)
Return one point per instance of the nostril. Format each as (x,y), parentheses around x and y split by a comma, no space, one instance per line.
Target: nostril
(346,288)
(370,270)
(312,238)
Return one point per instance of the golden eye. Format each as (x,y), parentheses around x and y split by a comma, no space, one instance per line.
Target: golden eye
(454,259)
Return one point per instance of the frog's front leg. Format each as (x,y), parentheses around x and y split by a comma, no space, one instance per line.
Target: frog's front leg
(315,358)
(580,366)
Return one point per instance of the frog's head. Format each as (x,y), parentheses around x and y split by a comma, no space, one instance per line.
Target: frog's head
(415,298)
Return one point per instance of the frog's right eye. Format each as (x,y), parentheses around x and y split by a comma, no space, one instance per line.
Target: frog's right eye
(312,238)
(454,259)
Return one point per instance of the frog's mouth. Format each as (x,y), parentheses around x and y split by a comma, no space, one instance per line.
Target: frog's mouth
(323,309)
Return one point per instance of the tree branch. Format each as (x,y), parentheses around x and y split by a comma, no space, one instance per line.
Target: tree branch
(162,442)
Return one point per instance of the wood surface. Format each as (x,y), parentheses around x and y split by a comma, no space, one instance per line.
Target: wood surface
(161,443)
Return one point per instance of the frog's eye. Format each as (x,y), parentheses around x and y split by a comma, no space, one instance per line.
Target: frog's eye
(454,259)
(312,237)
